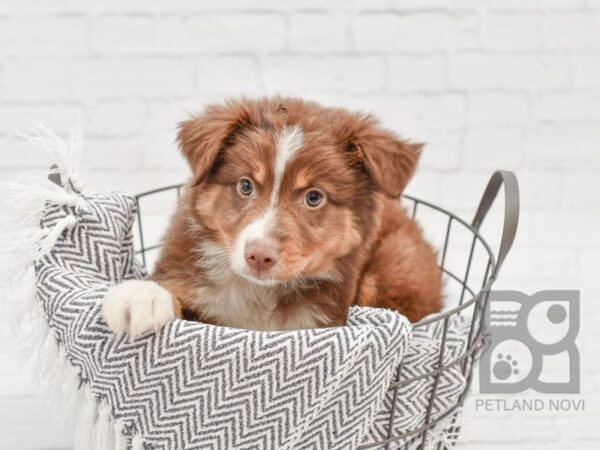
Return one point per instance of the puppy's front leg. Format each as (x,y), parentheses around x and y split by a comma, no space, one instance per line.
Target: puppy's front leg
(138,307)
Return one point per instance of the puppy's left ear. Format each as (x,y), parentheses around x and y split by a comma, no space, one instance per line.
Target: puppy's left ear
(389,160)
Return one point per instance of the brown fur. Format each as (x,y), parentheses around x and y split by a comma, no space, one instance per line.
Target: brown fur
(358,247)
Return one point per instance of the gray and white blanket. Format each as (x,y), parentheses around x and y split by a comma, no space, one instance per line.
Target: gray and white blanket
(201,386)
(198,386)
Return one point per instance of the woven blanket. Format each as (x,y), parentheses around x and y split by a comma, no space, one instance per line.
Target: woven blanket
(198,386)
(201,386)
(410,402)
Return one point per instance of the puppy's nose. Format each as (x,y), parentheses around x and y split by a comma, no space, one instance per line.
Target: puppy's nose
(261,254)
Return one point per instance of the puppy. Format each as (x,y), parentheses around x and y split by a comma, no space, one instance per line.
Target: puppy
(292,216)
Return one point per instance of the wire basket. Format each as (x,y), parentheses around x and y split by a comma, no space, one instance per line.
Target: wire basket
(469,268)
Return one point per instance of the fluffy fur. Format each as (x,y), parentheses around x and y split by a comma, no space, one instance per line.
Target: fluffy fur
(357,246)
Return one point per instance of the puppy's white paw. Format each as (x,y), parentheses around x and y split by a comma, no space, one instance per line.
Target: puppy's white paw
(137,307)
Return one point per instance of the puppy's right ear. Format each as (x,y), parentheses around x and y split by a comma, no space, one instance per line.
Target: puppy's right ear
(202,138)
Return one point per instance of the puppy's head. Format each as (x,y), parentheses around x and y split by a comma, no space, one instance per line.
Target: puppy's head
(285,188)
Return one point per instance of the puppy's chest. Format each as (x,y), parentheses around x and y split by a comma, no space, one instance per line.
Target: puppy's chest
(240,304)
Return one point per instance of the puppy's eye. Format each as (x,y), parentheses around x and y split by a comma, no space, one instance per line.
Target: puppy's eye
(313,198)
(245,187)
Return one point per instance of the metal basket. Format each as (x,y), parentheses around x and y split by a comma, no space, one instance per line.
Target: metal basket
(471,299)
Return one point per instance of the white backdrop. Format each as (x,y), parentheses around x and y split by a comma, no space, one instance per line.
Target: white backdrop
(487,84)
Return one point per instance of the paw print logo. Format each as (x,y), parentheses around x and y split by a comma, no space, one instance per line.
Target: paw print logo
(528,334)
(505,367)
(510,362)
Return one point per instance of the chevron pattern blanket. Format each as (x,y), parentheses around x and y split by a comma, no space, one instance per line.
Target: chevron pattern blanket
(198,386)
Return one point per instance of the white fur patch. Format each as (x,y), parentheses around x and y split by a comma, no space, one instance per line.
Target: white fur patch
(238,303)
(241,302)
(256,229)
(289,142)
(306,316)
(137,307)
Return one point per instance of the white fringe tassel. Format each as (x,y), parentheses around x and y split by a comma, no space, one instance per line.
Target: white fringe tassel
(30,191)
(70,399)
(84,432)
(51,236)
(66,154)
(105,429)
(120,438)
(29,195)
(137,443)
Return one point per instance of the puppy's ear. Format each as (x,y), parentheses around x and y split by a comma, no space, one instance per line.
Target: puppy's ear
(389,160)
(202,138)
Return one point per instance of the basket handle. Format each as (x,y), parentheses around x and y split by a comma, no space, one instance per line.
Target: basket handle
(511,211)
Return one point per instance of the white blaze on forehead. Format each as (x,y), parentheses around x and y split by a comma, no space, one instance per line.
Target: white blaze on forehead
(289,141)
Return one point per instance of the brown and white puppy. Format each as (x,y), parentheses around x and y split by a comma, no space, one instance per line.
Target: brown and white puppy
(292,216)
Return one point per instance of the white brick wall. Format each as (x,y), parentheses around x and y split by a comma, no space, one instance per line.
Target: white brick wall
(486,83)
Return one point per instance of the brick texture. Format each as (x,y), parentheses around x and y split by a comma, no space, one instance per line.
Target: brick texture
(485,83)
